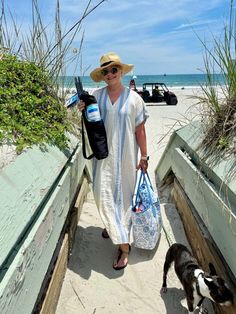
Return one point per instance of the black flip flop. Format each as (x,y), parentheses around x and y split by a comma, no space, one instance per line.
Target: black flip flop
(105,235)
(119,257)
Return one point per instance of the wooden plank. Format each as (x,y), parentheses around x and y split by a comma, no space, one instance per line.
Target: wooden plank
(53,292)
(75,215)
(81,197)
(29,267)
(203,246)
(59,269)
(211,206)
(25,273)
(25,183)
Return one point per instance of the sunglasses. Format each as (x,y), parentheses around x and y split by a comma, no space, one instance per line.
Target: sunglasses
(113,70)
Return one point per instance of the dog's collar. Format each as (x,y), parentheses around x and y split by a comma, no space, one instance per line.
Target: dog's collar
(198,289)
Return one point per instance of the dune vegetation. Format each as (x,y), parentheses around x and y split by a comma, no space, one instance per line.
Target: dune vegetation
(31,99)
(219,100)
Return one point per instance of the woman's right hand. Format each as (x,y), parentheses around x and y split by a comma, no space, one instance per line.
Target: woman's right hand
(81,105)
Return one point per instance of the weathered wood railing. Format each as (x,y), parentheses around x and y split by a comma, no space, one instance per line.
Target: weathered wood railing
(206,200)
(37,200)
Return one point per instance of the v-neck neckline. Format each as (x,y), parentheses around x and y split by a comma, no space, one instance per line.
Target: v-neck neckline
(113,103)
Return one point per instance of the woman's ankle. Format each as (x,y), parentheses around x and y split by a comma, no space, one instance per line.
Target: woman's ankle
(125,248)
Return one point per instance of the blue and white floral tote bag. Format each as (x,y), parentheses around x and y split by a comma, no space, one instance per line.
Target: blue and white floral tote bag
(146,213)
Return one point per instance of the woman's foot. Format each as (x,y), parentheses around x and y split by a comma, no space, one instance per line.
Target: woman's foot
(122,258)
(105,235)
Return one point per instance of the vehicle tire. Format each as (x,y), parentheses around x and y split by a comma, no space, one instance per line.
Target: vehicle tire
(145,96)
(166,96)
(171,99)
(171,102)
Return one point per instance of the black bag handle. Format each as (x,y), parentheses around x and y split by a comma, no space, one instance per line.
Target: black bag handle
(83,141)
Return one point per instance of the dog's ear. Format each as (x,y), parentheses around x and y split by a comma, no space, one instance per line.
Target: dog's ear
(212,270)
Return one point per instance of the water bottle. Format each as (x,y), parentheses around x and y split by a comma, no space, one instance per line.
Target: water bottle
(92,113)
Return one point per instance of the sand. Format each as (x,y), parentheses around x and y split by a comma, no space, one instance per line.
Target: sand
(91,285)
(7,155)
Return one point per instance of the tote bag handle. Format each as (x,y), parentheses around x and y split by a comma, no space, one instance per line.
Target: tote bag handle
(143,177)
(149,186)
(139,179)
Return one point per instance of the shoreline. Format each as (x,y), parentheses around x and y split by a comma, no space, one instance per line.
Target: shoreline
(71,91)
(172,81)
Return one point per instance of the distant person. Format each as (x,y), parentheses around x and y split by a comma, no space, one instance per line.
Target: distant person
(124,114)
(132,84)
(156,91)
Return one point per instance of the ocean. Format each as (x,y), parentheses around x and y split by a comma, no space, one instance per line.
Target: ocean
(171,80)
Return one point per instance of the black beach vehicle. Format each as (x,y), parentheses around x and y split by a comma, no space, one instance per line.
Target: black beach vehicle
(157,92)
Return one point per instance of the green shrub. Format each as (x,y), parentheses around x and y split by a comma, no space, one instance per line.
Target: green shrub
(30,110)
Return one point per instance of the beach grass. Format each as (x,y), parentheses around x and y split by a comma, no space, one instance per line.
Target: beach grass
(218,100)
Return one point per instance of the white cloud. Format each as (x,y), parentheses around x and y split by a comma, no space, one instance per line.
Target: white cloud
(197,23)
(156,35)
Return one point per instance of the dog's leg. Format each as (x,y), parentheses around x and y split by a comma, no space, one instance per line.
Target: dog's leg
(165,271)
(168,262)
(190,304)
(203,310)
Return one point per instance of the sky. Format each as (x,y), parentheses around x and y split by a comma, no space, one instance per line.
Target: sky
(157,36)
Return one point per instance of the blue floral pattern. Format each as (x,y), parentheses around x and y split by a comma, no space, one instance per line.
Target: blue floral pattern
(147,224)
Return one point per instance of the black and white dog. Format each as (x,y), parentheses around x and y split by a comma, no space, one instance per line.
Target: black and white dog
(196,283)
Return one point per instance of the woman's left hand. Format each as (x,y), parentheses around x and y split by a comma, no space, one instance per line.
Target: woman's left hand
(143,164)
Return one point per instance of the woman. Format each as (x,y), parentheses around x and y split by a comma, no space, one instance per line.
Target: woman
(124,114)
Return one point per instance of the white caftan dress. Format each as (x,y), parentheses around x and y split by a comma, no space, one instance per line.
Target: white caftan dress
(114,177)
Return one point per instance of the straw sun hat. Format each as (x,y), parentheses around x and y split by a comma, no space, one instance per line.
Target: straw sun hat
(107,60)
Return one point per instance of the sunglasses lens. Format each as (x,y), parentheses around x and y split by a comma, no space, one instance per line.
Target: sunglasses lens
(114,70)
(105,72)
